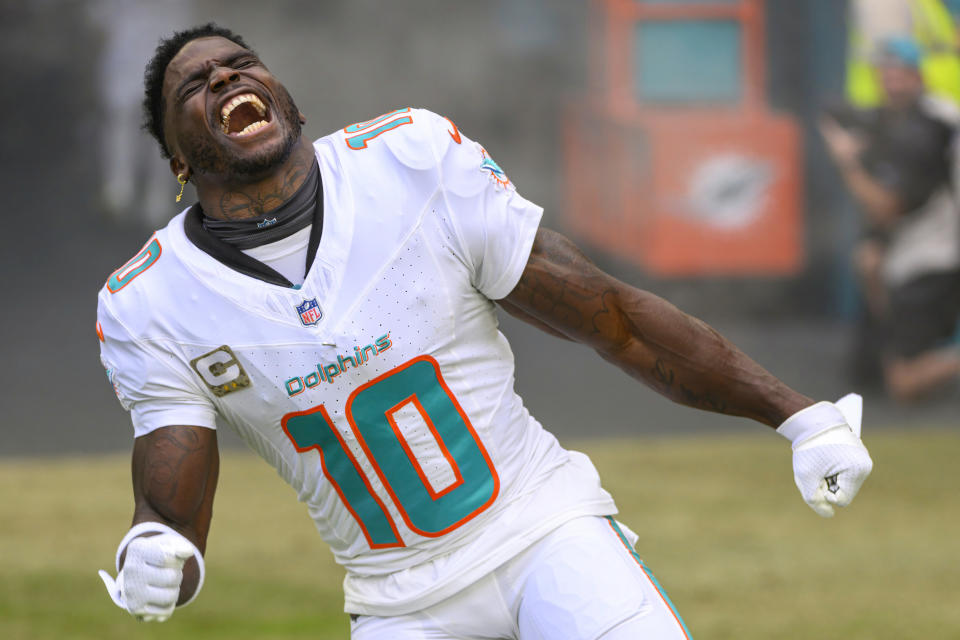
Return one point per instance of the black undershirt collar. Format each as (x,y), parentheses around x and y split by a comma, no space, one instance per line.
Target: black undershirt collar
(295,214)
(236,259)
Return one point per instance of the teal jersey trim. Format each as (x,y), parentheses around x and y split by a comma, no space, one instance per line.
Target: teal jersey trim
(656,583)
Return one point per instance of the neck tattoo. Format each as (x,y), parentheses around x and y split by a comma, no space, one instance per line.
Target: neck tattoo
(243,205)
(293,214)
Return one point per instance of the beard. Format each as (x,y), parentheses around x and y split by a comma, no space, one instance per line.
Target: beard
(205,156)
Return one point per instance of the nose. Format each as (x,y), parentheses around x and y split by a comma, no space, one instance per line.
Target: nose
(220,77)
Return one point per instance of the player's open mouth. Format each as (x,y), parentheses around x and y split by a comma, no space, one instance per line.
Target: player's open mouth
(243,114)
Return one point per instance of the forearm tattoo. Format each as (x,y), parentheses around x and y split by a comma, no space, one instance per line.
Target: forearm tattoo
(664,379)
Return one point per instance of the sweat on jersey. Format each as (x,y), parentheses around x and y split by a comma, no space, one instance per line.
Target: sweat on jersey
(381,389)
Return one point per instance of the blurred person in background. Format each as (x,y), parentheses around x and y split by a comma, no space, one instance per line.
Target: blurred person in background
(898,160)
(132,184)
(931,24)
(333,302)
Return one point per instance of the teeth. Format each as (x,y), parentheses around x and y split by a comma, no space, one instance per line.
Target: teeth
(236,102)
(253,127)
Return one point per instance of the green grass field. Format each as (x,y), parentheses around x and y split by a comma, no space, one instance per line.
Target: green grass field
(719,519)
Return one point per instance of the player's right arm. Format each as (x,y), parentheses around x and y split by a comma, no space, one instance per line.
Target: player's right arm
(160,560)
(175,472)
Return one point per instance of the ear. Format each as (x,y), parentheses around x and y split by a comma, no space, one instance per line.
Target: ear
(303,118)
(178,166)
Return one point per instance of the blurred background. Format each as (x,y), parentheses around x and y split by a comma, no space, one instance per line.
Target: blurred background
(676,141)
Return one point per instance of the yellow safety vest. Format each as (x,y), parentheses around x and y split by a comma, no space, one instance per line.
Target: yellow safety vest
(935,34)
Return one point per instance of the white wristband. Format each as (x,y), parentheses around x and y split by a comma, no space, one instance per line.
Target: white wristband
(811,421)
(158,527)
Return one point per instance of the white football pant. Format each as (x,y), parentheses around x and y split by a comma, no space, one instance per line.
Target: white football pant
(583,581)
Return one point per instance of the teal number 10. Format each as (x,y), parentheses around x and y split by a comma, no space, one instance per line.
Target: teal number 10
(370,411)
(364,132)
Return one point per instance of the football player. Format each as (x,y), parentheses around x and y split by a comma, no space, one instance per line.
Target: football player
(334,303)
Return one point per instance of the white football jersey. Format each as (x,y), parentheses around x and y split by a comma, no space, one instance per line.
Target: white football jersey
(381,389)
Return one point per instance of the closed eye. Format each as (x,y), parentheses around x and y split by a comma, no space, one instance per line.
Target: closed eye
(243,63)
(189,88)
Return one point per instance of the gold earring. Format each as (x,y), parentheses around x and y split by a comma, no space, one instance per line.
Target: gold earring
(182,179)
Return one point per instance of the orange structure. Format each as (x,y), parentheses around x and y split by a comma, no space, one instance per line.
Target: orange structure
(674,160)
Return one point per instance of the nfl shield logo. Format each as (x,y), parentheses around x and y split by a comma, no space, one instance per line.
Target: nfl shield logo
(310,313)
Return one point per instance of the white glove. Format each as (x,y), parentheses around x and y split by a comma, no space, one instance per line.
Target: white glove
(148,586)
(829,460)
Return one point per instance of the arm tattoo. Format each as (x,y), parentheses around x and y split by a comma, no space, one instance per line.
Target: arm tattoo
(677,355)
(170,474)
(553,287)
(548,295)
(169,451)
(664,378)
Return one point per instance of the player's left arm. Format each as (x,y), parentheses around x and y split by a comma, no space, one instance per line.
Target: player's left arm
(685,360)
(673,353)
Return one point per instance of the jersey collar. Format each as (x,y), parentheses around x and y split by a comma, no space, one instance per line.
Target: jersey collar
(236,259)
